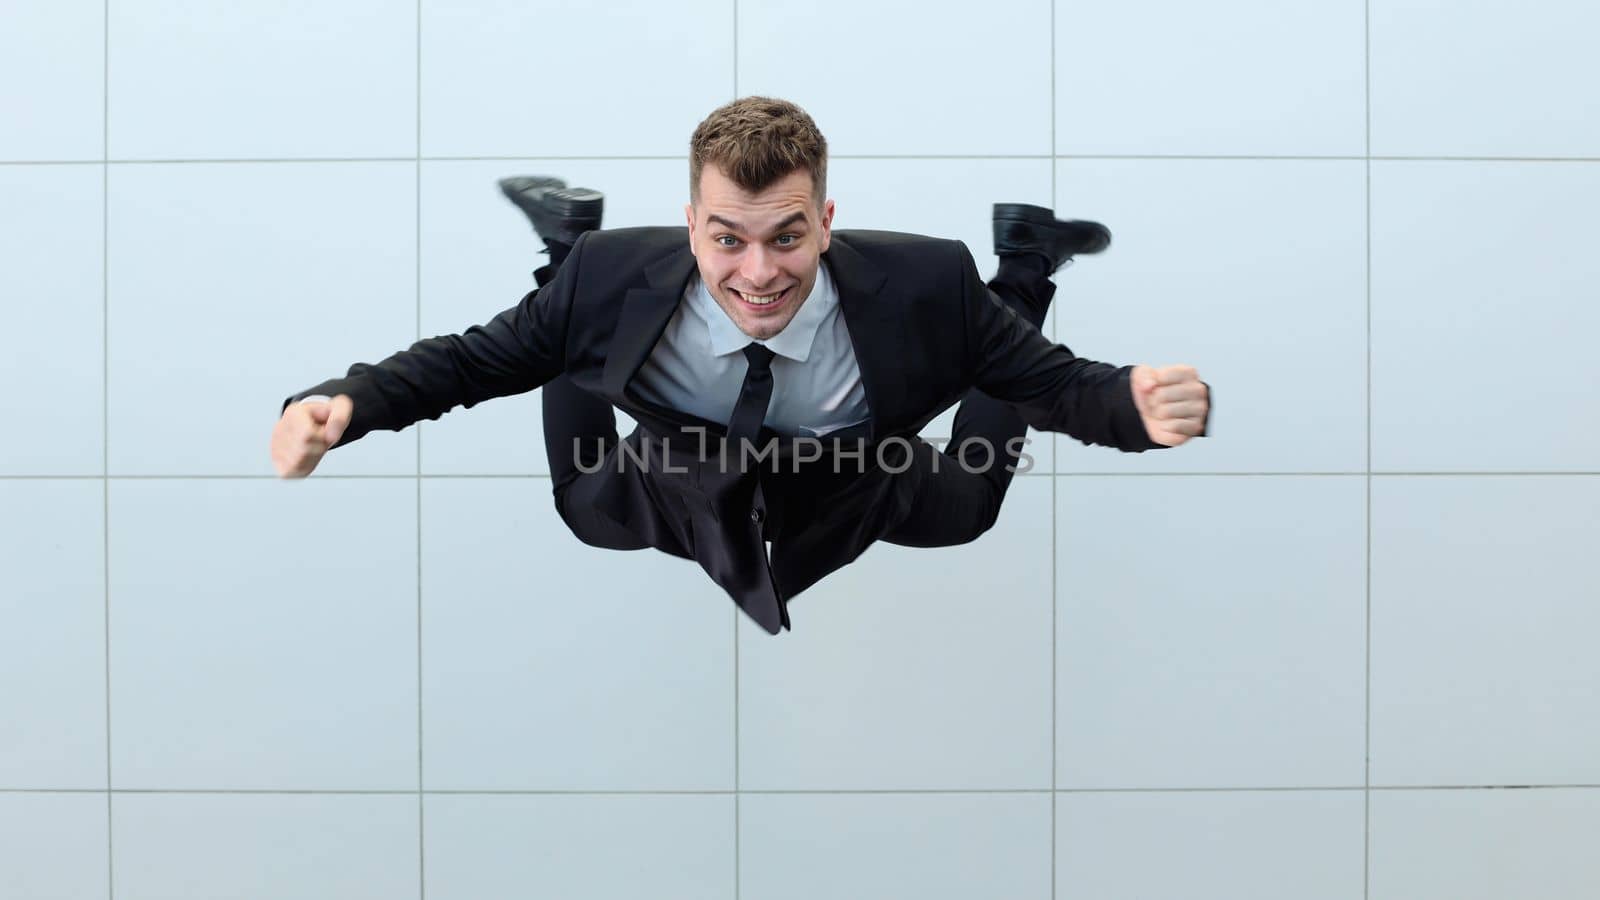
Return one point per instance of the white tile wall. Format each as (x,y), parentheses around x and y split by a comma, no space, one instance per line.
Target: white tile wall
(54,845)
(943,846)
(52,236)
(679,847)
(1234,78)
(1483,619)
(895,77)
(910,669)
(262,79)
(1483,302)
(1262,845)
(551,665)
(556,78)
(206,208)
(1210,632)
(52,634)
(233,286)
(1485,844)
(1253,272)
(1491,78)
(53,80)
(264,635)
(265,846)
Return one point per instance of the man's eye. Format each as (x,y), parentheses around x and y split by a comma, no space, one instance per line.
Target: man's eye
(787,240)
(728,240)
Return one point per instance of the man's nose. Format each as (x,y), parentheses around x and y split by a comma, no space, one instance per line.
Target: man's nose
(759,268)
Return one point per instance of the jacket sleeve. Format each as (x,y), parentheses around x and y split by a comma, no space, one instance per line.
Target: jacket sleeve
(1053,390)
(516,351)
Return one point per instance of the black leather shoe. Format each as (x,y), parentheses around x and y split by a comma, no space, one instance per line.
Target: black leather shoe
(558,213)
(1020,228)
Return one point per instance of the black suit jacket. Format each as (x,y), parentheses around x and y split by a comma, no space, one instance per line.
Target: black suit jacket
(924,328)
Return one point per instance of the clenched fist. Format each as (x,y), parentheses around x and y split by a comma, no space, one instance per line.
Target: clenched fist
(1172,402)
(305,433)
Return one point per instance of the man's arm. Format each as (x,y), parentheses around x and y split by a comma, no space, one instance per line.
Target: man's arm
(517,351)
(1127,407)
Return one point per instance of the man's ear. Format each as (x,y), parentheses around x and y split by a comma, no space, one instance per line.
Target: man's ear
(827,226)
(688,215)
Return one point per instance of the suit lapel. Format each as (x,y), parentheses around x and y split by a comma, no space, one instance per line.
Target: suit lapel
(874,334)
(644,316)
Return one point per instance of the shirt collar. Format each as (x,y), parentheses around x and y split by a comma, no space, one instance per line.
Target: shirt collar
(793,342)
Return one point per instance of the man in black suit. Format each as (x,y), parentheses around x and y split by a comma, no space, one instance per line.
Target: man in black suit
(779,399)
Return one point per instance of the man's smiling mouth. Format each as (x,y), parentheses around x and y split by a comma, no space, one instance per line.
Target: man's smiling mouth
(761,299)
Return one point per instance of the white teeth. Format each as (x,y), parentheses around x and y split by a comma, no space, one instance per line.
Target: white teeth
(761,301)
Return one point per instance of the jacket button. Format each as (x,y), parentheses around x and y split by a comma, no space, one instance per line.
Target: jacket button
(757,515)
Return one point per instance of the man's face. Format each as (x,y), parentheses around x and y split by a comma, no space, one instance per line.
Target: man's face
(758,252)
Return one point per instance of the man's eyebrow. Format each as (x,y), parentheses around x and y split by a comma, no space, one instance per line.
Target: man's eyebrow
(735,226)
(793,218)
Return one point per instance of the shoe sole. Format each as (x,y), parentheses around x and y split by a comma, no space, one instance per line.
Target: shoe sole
(1038,215)
(1023,212)
(575,203)
(555,211)
(516,184)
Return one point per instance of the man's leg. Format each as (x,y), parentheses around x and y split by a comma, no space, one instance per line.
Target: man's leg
(580,429)
(964,488)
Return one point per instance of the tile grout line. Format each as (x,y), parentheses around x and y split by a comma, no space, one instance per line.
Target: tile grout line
(1366,754)
(737,861)
(105,413)
(1055,593)
(835,157)
(1046,474)
(501,792)
(421,806)
(738,825)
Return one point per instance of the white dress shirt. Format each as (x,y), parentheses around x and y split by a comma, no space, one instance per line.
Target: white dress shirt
(699,364)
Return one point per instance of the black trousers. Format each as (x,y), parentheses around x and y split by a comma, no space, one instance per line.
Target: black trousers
(959,499)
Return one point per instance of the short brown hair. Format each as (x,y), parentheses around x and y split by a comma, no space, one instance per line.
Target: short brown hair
(757,140)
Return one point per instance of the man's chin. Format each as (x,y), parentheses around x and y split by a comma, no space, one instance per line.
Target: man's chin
(761,331)
(754,322)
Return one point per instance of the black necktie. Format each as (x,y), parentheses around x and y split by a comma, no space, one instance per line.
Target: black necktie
(738,561)
(744,426)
